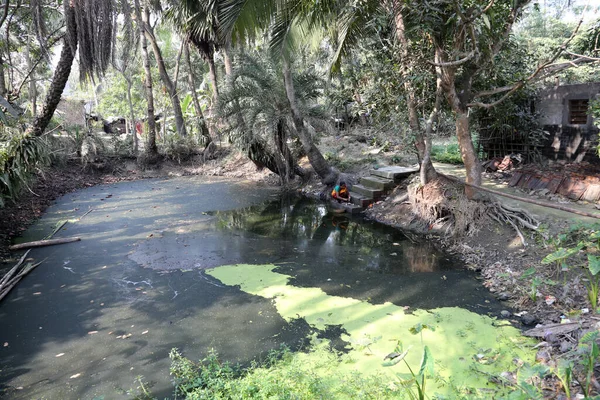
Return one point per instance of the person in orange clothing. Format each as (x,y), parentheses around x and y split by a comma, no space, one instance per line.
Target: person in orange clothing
(340,193)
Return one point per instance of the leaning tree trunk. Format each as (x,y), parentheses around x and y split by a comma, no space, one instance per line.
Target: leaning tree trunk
(60,78)
(206,139)
(151,148)
(428,172)
(164,76)
(320,165)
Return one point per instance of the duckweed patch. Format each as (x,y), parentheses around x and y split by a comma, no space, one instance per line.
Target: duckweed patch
(468,348)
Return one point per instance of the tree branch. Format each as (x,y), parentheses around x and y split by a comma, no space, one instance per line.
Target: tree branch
(18,91)
(456,63)
(4,13)
(536,76)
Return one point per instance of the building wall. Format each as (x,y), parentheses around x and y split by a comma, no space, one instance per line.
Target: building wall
(572,142)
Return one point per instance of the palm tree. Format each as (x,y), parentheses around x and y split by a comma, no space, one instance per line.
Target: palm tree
(243,18)
(151,149)
(257,110)
(198,22)
(89,29)
(171,86)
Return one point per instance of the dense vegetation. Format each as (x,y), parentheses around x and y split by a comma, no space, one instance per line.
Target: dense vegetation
(156,79)
(271,77)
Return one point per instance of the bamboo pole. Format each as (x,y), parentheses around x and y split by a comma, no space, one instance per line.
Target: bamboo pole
(41,243)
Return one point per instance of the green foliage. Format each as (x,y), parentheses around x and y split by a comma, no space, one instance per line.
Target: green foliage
(113,101)
(20,157)
(449,153)
(179,148)
(588,236)
(419,379)
(590,351)
(283,375)
(595,110)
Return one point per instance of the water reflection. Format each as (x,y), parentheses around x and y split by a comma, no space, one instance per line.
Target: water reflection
(322,237)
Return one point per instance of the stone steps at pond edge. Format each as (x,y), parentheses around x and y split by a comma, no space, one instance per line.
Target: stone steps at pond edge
(360,200)
(372,188)
(368,192)
(376,182)
(395,173)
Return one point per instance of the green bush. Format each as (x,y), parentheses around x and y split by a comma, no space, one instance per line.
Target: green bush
(449,153)
(283,375)
(20,157)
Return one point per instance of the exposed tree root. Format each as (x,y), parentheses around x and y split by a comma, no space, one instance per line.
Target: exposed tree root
(443,204)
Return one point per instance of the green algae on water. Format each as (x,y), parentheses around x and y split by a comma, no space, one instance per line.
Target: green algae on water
(467,347)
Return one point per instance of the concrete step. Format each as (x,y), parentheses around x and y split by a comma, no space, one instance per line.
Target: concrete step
(368,192)
(376,182)
(394,172)
(360,200)
(347,207)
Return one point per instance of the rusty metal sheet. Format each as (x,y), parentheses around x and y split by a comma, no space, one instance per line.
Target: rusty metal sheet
(576,190)
(524,182)
(592,193)
(555,184)
(515,179)
(542,183)
(565,187)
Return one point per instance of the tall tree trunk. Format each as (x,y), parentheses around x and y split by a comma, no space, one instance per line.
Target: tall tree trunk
(151,148)
(132,115)
(458,103)
(166,79)
(212,72)
(31,84)
(204,131)
(411,102)
(60,78)
(320,165)
(3,89)
(428,174)
(227,57)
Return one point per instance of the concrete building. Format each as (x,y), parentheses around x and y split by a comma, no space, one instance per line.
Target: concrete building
(572,134)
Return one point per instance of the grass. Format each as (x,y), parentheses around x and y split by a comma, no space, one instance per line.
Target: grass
(446,153)
(283,375)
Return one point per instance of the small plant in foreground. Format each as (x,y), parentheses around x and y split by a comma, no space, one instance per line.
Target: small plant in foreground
(418,379)
(590,351)
(592,289)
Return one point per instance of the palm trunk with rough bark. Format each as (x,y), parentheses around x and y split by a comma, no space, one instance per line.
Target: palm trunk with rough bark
(59,79)
(227,57)
(166,79)
(212,73)
(429,172)
(327,174)
(204,131)
(151,148)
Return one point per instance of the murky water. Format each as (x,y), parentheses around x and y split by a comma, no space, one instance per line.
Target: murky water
(101,312)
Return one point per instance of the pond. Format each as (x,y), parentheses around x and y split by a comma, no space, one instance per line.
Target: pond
(197,263)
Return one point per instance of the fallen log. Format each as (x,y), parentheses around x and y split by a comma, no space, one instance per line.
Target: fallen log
(41,243)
